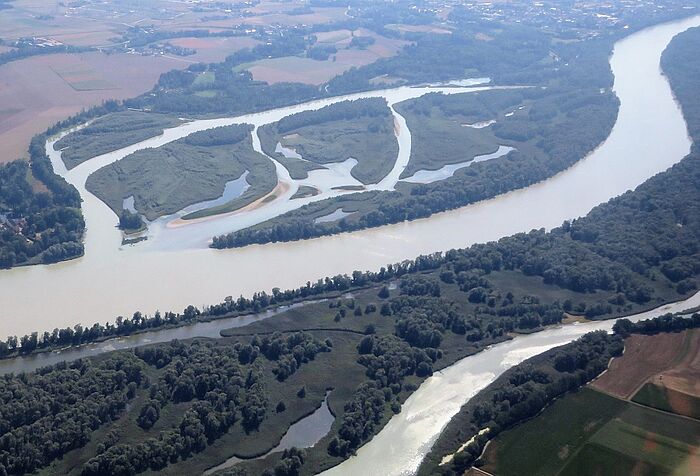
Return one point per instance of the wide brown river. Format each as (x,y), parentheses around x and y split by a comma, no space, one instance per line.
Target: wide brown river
(649,136)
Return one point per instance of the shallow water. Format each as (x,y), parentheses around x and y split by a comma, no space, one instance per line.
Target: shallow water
(430,176)
(303,434)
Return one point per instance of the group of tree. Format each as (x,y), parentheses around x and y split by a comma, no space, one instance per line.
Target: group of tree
(47,413)
(36,226)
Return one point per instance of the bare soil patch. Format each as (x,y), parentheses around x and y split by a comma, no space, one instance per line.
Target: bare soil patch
(644,357)
(37,92)
(213,49)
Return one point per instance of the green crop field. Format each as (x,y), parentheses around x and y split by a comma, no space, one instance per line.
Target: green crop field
(656,396)
(592,433)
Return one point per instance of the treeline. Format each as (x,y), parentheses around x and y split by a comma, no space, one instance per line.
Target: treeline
(666,323)
(47,413)
(340,111)
(137,37)
(224,135)
(28,51)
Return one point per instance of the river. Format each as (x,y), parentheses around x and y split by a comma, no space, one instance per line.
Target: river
(649,136)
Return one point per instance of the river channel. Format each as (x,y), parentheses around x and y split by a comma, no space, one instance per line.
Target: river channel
(649,136)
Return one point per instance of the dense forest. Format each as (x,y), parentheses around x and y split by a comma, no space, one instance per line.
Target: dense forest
(524,390)
(40,222)
(57,409)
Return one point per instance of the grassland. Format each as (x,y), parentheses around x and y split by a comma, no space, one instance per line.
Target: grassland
(592,433)
(169,178)
(111,132)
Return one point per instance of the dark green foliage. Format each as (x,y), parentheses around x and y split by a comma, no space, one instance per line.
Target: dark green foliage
(373,107)
(290,464)
(130,221)
(224,135)
(47,413)
(37,226)
(665,323)
(111,132)
(289,351)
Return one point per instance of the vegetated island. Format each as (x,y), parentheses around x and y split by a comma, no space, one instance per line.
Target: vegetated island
(194,169)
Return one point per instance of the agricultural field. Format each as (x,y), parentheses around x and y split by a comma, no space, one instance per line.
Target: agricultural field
(646,357)
(589,432)
(39,91)
(311,71)
(188,171)
(638,417)
(213,49)
(660,371)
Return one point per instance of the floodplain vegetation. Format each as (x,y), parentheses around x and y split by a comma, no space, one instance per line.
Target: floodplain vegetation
(167,179)
(361,129)
(111,132)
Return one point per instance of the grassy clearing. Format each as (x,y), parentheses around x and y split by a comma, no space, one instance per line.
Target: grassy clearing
(111,132)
